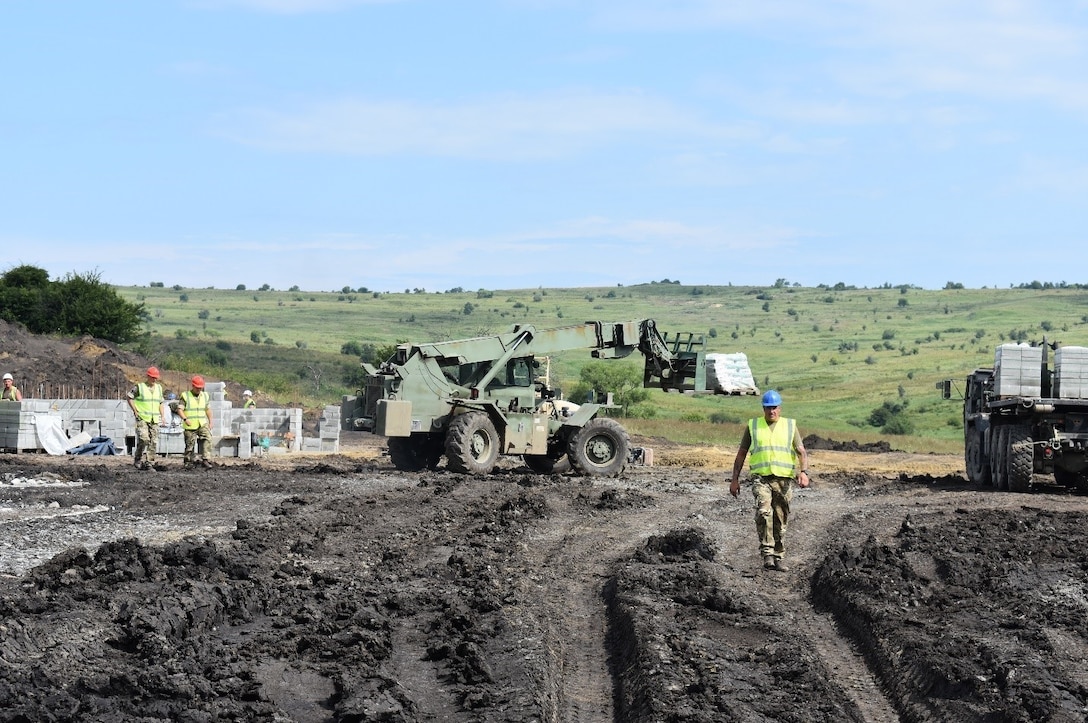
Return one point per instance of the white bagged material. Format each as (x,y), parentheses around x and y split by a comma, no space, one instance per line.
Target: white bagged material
(730,374)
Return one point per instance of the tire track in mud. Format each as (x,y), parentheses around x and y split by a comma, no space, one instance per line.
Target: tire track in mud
(573,557)
(570,561)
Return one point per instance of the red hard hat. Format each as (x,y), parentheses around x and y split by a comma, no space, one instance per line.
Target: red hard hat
(153,372)
(198,382)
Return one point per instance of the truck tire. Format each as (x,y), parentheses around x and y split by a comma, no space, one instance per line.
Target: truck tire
(1068,478)
(976,459)
(472,444)
(543,464)
(415,453)
(997,457)
(1021,451)
(599,449)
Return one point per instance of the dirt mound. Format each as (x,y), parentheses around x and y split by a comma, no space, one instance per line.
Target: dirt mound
(813,441)
(336,589)
(48,367)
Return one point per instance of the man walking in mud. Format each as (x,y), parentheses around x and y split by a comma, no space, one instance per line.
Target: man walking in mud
(777,457)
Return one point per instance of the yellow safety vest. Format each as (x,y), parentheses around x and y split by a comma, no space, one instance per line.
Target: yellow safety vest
(196,409)
(148,401)
(9,395)
(772,453)
(249,403)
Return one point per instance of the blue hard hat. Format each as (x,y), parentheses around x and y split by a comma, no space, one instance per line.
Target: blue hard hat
(772,398)
(171,395)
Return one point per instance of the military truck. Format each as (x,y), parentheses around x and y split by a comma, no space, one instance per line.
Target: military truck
(475,400)
(1023,418)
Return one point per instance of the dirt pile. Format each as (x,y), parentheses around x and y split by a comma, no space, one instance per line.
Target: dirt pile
(335,588)
(84,367)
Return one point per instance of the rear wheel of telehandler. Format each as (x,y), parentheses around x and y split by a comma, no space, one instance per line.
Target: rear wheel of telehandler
(543,464)
(599,449)
(472,444)
(1021,457)
(978,464)
(416,453)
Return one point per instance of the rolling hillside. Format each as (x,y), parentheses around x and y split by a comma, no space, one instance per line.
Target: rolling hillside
(836,353)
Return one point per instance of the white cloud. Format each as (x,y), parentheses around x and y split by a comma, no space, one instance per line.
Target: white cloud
(506,128)
(1053,176)
(287,7)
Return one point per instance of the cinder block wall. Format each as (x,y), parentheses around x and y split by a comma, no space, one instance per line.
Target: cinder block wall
(234,431)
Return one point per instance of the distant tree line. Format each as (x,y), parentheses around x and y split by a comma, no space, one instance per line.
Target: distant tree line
(77,305)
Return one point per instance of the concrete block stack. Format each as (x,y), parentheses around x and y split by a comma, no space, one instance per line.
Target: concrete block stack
(17,430)
(235,432)
(1018,370)
(328,430)
(1071,372)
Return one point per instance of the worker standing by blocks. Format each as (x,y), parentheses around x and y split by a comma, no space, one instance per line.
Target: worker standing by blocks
(196,423)
(249,403)
(145,400)
(778,456)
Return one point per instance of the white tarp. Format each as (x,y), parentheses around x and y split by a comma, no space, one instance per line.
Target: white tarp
(51,434)
(730,374)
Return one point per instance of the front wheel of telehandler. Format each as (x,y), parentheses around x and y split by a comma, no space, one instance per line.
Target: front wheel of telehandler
(599,449)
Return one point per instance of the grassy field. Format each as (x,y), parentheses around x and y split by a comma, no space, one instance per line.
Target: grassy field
(835,353)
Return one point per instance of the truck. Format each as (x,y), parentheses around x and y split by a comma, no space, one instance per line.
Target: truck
(476,400)
(1022,417)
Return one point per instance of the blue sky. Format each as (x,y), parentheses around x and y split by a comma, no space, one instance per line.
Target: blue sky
(419,144)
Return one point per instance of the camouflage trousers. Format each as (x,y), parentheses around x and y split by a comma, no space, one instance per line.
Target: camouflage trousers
(199,439)
(773,495)
(147,440)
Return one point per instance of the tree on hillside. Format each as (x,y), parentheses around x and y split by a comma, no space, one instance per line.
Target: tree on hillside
(76,305)
(624,381)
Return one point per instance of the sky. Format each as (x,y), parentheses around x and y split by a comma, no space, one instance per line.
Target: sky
(506,144)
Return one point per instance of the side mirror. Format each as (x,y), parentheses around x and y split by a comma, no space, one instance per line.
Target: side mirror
(946,388)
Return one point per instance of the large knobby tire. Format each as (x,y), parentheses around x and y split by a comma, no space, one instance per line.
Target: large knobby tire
(546,464)
(1068,478)
(998,438)
(599,449)
(978,464)
(1021,460)
(415,453)
(472,444)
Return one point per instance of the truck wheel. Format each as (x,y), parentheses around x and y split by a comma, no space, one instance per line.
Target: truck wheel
(472,444)
(599,449)
(1021,451)
(543,464)
(1068,478)
(978,464)
(997,457)
(415,453)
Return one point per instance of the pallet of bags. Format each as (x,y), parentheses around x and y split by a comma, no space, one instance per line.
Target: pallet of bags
(730,374)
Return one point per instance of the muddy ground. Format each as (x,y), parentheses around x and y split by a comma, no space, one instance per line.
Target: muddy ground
(334,588)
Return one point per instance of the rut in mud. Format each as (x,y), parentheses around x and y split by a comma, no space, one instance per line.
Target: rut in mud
(338,589)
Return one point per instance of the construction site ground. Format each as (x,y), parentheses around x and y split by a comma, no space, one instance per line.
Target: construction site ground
(335,588)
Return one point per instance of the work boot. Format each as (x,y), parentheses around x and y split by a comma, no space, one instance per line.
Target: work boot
(188,464)
(768,562)
(780,566)
(206,463)
(145,465)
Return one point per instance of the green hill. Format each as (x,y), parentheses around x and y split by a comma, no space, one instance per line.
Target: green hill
(836,353)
